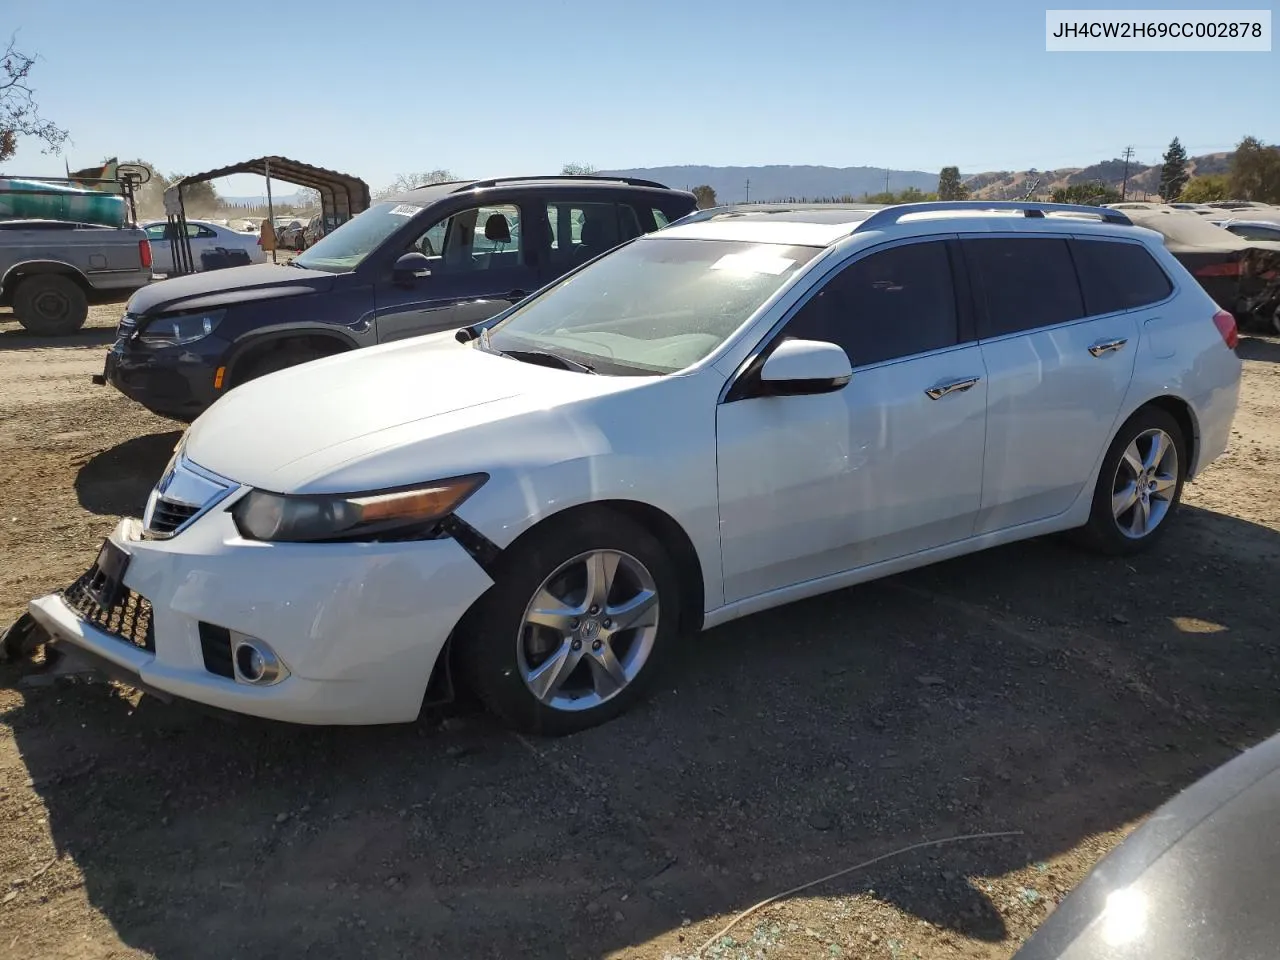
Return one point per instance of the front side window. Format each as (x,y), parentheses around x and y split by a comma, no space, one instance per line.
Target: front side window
(350,244)
(157,232)
(654,306)
(890,304)
(481,238)
(1022,283)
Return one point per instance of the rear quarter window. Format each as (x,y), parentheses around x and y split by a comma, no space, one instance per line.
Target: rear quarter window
(1115,275)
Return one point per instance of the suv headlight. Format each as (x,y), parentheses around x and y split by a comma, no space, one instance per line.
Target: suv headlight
(184,328)
(362,516)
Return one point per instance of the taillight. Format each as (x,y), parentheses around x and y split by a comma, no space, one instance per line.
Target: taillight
(1230,268)
(144,253)
(1226,325)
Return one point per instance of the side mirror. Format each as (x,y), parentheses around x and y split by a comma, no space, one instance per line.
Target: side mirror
(799,367)
(410,266)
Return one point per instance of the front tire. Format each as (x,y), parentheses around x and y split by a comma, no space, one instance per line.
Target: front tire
(1140,484)
(575,626)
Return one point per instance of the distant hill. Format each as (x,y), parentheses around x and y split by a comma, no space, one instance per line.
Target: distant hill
(826,183)
(784,182)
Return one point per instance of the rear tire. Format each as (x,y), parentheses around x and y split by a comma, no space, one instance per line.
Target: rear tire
(591,652)
(50,304)
(1139,486)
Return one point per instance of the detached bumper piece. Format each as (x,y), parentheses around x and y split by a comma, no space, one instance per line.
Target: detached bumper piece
(128,620)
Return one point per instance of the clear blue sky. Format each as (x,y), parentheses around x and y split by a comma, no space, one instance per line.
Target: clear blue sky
(486,87)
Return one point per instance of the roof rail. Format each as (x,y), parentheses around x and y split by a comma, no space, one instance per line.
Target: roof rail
(893,215)
(494,181)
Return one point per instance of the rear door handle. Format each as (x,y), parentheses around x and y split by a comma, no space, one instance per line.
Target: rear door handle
(1107,346)
(940,390)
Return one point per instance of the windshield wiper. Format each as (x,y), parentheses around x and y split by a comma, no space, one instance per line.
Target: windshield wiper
(542,356)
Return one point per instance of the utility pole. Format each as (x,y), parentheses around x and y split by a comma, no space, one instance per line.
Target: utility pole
(748,200)
(1124,187)
(886,181)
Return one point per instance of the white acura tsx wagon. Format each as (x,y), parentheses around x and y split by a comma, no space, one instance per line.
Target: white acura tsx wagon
(752,406)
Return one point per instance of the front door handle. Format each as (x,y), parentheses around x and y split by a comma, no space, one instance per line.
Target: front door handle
(1107,346)
(516,295)
(955,386)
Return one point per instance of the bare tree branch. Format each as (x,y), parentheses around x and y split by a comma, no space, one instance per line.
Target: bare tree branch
(19,112)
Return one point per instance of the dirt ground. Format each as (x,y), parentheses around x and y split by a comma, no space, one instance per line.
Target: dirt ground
(1034,688)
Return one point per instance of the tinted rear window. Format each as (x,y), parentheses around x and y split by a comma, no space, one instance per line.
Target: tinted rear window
(1118,276)
(1021,283)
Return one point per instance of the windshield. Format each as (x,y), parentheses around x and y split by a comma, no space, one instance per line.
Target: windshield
(654,306)
(346,247)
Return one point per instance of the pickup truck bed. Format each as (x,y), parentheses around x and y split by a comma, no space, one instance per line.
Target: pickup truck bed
(51,269)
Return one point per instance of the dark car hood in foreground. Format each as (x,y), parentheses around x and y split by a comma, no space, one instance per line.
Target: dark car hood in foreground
(233,285)
(1198,880)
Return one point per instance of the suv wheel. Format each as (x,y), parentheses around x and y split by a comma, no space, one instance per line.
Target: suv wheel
(1140,484)
(269,359)
(50,304)
(574,627)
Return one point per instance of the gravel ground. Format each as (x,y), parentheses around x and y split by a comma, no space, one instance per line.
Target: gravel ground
(1033,688)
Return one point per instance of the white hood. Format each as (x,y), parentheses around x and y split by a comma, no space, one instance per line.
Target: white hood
(313,427)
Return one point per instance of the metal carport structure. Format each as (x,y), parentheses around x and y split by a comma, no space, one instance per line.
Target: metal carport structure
(342,196)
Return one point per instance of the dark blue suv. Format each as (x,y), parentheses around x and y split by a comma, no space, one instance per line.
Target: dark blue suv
(436,258)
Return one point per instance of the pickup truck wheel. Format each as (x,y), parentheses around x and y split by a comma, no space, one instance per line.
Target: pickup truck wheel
(50,304)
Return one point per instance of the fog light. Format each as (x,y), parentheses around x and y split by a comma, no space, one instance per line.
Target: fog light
(257,663)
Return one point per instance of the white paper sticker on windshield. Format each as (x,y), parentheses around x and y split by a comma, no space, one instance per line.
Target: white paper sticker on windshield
(404,210)
(753,262)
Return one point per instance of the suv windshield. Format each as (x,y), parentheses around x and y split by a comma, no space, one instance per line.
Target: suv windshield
(654,306)
(346,247)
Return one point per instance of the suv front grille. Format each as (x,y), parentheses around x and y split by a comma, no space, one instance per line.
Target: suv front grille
(168,515)
(128,620)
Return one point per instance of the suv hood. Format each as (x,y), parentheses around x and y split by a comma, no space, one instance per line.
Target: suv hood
(360,420)
(214,288)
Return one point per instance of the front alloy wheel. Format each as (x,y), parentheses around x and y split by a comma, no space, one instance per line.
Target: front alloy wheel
(589,630)
(580,614)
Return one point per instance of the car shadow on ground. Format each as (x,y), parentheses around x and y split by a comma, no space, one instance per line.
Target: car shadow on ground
(1266,349)
(17,338)
(1034,687)
(119,480)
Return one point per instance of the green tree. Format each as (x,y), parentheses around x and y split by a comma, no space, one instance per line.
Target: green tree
(1090,194)
(1206,189)
(949,185)
(705,195)
(198,199)
(404,182)
(19,112)
(577,170)
(1255,172)
(1173,174)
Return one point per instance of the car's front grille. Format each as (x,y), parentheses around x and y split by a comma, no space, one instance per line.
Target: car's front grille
(129,619)
(184,493)
(168,515)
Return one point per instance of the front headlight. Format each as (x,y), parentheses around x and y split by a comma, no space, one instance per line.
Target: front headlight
(184,328)
(361,516)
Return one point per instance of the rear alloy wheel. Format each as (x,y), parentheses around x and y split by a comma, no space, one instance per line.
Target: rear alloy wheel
(50,304)
(574,627)
(1140,484)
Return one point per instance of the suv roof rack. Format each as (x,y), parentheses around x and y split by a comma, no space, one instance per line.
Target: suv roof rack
(494,181)
(893,215)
